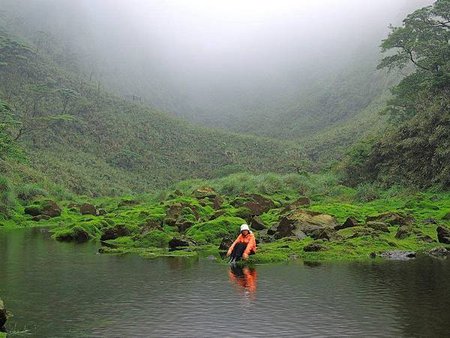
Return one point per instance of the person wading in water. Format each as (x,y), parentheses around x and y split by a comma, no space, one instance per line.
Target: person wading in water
(243,246)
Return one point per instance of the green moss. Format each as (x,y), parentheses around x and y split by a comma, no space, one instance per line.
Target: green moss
(155,238)
(213,231)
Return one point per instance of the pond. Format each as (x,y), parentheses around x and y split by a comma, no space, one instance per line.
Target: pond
(67,290)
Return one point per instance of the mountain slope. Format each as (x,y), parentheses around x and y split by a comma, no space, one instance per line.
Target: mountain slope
(96,143)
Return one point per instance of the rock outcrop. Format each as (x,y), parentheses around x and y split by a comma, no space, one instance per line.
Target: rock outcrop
(443,235)
(300,223)
(115,232)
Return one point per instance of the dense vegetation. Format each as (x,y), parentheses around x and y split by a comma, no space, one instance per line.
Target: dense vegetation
(81,138)
(416,149)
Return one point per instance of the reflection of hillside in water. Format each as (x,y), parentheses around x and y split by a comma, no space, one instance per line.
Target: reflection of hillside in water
(418,289)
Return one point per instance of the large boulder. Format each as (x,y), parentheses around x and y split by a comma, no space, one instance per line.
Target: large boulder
(305,222)
(51,209)
(443,235)
(3,316)
(115,232)
(391,218)
(88,209)
(76,234)
(47,209)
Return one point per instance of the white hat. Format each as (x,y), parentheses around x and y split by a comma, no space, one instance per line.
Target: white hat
(244,227)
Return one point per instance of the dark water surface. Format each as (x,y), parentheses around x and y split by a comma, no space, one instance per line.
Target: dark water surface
(67,290)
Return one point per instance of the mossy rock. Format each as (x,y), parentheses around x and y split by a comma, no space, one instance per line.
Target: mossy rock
(73,234)
(33,210)
(213,231)
(155,238)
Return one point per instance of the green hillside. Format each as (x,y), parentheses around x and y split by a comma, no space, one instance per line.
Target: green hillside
(83,138)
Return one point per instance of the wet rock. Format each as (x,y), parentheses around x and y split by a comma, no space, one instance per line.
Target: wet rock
(178,244)
(391,218)
(3,316)
(439,252)
(88,209)
(378,226)
(314,247)
(403,232)
(226,243)
(398,255)
(33,210)
(257,223)
(115,232)
(349,222)
(443,235)
(77,234)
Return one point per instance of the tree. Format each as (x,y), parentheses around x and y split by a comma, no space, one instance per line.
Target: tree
(423,42)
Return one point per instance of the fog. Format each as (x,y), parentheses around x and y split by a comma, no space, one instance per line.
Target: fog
(215,60)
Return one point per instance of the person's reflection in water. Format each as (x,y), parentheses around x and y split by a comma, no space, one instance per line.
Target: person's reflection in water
(244,278)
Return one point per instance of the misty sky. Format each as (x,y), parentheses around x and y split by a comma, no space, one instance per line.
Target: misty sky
(207,52)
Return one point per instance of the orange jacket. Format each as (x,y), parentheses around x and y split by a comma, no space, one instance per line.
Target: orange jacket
(247,281)
(249,240)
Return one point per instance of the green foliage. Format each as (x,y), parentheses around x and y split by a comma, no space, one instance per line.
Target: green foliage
(423,42)
(415,150)
(156,238)
(213,231)
(7,198)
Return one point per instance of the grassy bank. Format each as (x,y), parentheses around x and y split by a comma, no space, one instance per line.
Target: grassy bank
(196,217)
